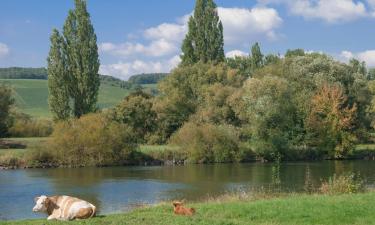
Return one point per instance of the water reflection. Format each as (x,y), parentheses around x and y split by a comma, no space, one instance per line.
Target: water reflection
(120,188)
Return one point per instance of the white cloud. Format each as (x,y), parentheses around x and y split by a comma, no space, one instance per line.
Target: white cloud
(4,50)
(158,48)
(244,25)
(124,70)
(346,55)
(167,31)
(234,53)
(331,11)
(368,56)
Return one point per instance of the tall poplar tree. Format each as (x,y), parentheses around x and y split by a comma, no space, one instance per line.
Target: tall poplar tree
(58,98)
(6,102)
(82,59)
(80,62)
(204,40)
(257,59)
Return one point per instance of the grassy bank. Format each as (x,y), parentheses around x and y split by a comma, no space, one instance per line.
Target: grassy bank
(13,157)
(296,209)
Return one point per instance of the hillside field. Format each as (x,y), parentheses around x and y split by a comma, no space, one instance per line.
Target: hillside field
(32,95)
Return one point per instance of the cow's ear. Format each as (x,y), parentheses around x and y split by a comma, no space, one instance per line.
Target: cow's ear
(36,199)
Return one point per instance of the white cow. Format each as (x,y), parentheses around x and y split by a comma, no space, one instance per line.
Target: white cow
(64,207)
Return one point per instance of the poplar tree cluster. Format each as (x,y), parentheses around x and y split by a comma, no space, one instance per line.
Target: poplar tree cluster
(73,65)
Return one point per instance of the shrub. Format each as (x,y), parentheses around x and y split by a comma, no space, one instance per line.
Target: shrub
(92,140)
(40,156)
(136,111)
(343,184)
(11,160)
(25,126)
(207,143)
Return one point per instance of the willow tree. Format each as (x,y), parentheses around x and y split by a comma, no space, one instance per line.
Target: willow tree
(204,41)
(79,65)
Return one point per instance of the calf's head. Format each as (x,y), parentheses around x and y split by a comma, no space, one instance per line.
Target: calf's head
(177,204)
(41,204)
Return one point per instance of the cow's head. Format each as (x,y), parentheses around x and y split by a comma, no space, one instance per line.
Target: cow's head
(41,204)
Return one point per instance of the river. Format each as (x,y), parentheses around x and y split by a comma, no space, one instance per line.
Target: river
(119,189)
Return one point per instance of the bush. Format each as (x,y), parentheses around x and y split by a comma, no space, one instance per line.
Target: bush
(40,157)
(207,143)
(92,140)
(11,160)
(25,126)
(343,184)
(136,111)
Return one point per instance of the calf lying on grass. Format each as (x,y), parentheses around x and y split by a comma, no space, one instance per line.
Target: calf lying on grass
(64,207)
(179,209)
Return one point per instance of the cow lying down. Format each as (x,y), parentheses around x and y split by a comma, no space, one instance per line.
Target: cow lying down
(64,207)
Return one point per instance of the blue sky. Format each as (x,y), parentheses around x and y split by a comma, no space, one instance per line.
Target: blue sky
(136,36)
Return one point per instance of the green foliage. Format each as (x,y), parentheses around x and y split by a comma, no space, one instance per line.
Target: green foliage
(271,114)
(148,78)
(271,59)
(208,143)
(343,184)
(136,111)
(183,91)
(241,63)
(92,140)
(294,52)
(112,81)
(6,102)
(73,66)
(204,41)
(26,126)
(58,97)
(257,59)
(23,73)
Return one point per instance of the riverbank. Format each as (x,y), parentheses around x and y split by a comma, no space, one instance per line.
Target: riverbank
(13,151)
(293,209)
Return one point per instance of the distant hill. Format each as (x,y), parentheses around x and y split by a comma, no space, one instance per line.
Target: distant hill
(41,74)
(31,95)
(31,91)
(147,78)
(23,73)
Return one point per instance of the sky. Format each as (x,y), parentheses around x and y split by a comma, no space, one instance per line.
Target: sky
(143,36)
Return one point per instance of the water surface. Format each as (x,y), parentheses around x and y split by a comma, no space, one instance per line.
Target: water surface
(118,189)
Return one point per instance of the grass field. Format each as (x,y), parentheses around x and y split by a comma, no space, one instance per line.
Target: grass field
(32,95)
(355,209)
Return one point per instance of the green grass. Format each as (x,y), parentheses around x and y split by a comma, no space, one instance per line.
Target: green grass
(370,147)
(155,148)
(296,209)
(31,95)
(29,142)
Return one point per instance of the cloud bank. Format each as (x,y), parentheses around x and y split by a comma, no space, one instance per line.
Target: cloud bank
(159,47)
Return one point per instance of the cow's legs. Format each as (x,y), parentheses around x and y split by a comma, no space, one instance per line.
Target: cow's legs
(51,217)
